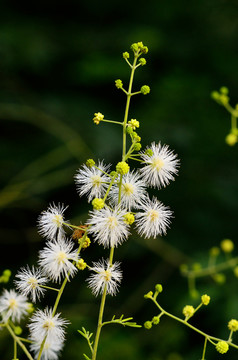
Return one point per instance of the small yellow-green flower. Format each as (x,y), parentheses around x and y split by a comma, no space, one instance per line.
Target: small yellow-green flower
(18,330)
(231,139)
(222,347)
(148,325)
(145,89)
(142,61)
(148,295)
(188,311)
(98,204)
(122,168)
(119,84)
(86,242)
(233,325)
(90,163)
(214,251)
(134,123)
(205,299)
(126,55)
(227,245)
(81,264)
(98,117)
(158,288)
(129,218)
(156,320)
(236,271)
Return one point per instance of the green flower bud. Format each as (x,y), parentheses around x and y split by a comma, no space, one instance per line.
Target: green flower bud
(231,139)
(134,47)
(219,278)
(205,299)
(142,61)
(224,99)
(17,330)
(224,90)
(188,311)
(222,347)
(233,325)
(98,117)
(113,173)
(129,218)
(214,251)
(119,84)
(148,325)
(227,245)
(81,264)
(7,273)
(122,168)
(98,204)
(215,95)
(148,295)
(158,288)
(149,152)
(137,146)
(126,55)
(156,320)
(145,89)
(90,162)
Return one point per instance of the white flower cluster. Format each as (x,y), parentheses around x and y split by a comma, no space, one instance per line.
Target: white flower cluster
(107,225)
(57,261)
(123,200)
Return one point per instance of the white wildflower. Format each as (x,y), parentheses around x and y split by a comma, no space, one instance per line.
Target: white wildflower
(50,351)
(13,305)
(160,167)
(50,222)
(92,181)
(153,219)
(56,259)
(45,325)
(108,226)
(30,282)
(133,191)
(105,275)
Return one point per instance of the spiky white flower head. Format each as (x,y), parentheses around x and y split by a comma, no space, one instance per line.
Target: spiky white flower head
(56,259)
(103,275)
(50,222)
(92,181)
(13,305)
(160,167)
(30,282)
(153,219)
(133,191)
(108,226)
(43,324)
(50,351)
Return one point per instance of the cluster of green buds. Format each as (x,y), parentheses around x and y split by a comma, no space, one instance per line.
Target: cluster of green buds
(222,346)
(189,310)
(222,98)
(214,268)
(4,278)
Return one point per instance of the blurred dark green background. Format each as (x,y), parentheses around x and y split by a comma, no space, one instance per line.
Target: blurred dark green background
(58,63)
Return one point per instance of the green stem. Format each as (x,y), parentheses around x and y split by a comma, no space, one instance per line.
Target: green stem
(15,349)
(49,288)
(99,327)
(18,341)
(204,348)
(209,337)
(113,122)
(213,269)
(127,107)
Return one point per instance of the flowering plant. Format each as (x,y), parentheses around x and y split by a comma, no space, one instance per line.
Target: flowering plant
(119,201)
